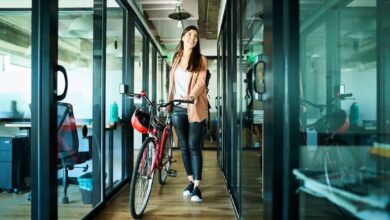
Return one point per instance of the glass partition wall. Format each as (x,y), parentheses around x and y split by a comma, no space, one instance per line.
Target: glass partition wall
(240,120)
(152,70)
(138,74)
(344,115)
(15,100)
(82,121)
(114,73)
(160,78)
(75,55)
(252,111)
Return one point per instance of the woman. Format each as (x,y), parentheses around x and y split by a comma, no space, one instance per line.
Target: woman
(188,81)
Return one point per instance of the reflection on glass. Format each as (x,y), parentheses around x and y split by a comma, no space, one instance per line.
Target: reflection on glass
(212,89)
(75,39)
(15,65)
(218,102)
(259,74)
(343,157)
(114,54)
(160,76)
(15,97)
(138,72)
(165,76)
(252,109)
(152,86)
(138,62)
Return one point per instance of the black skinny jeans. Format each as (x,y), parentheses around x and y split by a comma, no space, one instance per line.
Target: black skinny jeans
(190,137)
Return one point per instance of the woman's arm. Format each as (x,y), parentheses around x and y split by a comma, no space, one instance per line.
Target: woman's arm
(200,84)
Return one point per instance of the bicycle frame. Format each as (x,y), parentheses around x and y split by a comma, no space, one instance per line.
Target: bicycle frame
(159,144)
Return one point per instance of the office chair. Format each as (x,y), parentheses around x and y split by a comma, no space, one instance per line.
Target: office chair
(68,145)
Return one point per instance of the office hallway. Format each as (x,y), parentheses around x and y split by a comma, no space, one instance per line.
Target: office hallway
(167,202)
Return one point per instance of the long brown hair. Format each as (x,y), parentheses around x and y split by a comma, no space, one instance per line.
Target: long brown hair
(194,63)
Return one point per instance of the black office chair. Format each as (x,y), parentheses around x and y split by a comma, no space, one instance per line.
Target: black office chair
(68,145)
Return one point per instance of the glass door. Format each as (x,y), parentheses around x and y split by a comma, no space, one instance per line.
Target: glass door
(76,167)
(218,102)
(138,77)
(15,109)
(114,73)
(343,147)
(252,111)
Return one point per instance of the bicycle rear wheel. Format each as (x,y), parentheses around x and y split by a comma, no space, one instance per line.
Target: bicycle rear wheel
(142,179)
(166,159)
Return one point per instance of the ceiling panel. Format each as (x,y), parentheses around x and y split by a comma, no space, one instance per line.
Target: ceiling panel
(204,15)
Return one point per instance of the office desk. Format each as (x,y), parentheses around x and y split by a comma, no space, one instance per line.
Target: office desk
(27,125)
(110,128)
(21,125)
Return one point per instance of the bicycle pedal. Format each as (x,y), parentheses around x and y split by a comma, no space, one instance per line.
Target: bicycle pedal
(172,173)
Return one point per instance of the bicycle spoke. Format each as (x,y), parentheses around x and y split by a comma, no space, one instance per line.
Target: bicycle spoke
(142,180)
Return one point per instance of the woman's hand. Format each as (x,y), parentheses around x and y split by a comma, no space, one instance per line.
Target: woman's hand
(190,98)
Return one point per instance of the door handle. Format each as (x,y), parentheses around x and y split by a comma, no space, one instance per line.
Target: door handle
(61,69)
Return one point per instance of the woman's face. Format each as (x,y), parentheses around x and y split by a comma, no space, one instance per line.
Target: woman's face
(190,39)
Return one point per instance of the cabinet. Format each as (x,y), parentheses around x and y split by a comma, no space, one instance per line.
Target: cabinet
(13,163)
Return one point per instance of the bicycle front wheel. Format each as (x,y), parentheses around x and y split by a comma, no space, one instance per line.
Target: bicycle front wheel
(142,179)
(166,159)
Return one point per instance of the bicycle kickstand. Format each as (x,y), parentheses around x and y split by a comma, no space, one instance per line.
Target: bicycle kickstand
(172,173)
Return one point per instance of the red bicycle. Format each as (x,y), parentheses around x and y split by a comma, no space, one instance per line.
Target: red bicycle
(154,154)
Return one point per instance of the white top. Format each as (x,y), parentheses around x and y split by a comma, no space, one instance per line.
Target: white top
(181,79)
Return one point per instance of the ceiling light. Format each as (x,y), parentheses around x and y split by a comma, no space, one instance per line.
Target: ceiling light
(178,14)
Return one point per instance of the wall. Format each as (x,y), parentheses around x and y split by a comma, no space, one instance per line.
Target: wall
(362,84)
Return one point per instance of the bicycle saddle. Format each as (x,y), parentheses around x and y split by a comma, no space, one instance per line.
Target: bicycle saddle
(336,122)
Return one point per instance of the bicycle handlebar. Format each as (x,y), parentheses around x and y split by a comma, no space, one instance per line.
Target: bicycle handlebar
(322,106)
(159,106)
(175,102)
(343,96)
(314,104)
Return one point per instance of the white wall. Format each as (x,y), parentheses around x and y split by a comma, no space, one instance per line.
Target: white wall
(208,47)
(363,86)
(213,84)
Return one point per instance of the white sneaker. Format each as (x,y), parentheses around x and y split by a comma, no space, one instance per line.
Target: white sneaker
(196,195)
(188,190)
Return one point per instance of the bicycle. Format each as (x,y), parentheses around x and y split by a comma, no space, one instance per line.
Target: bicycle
(328,162)
(155,152)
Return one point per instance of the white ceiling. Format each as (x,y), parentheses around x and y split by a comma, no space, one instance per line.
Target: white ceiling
(166,30)
(61,3)
(204,15)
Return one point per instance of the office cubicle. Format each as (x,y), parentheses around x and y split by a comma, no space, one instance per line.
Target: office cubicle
(15,114)
(343,159)
(92,72)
